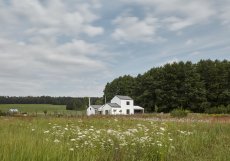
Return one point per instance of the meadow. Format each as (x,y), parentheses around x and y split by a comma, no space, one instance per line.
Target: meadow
(103,138)
(38,109)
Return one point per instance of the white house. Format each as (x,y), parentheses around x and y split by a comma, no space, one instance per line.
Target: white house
(119,105)
(93,110)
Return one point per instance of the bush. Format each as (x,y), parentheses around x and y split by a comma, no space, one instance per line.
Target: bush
(179,113)
(3,113)
(218,110)
(45,112)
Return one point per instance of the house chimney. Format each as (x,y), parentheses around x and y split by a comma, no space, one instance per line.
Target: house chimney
(89,101)
(105,99)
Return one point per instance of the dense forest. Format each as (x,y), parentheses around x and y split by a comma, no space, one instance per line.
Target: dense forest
(72,103)
(198,87)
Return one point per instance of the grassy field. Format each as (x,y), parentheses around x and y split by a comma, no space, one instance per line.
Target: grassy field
(112,138)
(39,109)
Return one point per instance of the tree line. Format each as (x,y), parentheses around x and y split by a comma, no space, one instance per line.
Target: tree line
(72,103)
(197,87)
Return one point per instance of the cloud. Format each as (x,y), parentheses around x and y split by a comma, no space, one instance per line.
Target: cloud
(57,47)
(133,29)
(182,13)
(54,18)
(43,45)
(169,61)
(225,14)
(46,65)
(189,42)
(175,23)
(77,53)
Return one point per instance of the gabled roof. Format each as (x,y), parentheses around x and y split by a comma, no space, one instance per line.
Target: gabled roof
(114,105)
(124,97)
(96,106)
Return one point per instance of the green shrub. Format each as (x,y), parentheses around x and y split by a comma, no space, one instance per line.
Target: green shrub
(179,113)
(218,110)
(3,113)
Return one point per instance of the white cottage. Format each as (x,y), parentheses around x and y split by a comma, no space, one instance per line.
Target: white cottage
(119,105)
(93,110)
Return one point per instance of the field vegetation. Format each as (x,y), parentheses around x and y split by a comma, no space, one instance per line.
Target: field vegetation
(112,138)
(39,109)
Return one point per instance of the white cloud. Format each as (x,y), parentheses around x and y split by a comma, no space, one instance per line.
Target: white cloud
(93,31)
(36,47)
(225,14)
(170,61)
(189,42)
(77,53)
(182,13)
(46,65)
(133,29)
(53,18)
(175,23)
(52,46)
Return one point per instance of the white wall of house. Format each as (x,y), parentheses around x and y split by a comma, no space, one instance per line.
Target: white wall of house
(127,107)
(127,103)
(127,111)
(107,108)
(90,111)
(117,111)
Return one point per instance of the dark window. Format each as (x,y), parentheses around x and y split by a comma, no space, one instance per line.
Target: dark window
(127,111)
(127,103)
(106,112)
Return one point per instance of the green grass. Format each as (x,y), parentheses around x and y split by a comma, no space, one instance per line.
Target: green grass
(33,107)
(111,138)
(39,109)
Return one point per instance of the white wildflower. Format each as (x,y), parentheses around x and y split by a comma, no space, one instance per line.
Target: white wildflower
(72,139)
(56,141)
(46,132)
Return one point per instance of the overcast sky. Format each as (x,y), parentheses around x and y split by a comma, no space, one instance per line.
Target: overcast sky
(74,47)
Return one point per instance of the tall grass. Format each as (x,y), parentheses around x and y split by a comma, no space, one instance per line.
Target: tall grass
(109,138)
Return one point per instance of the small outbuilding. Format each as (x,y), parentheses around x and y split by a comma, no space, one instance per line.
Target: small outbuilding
(13,110)
(93,109)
